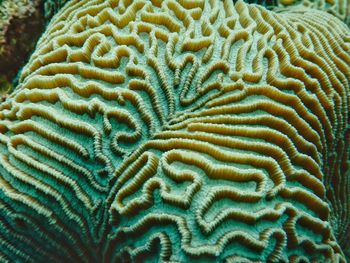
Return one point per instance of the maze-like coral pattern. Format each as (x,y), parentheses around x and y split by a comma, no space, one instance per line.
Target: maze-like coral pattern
(179,131)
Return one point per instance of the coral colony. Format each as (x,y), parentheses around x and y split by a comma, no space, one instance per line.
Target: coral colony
(180,131)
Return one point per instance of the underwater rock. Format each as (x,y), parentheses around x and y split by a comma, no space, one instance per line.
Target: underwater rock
(21,24)
(179,131)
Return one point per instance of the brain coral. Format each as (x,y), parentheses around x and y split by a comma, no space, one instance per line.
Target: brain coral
(183,131)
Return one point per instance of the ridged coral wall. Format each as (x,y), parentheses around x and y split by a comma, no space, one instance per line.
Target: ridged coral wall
(179,131)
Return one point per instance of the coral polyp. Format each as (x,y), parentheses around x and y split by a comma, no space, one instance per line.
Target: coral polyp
(179,131)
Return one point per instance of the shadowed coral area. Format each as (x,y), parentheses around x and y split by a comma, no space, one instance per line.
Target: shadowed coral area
(179,131)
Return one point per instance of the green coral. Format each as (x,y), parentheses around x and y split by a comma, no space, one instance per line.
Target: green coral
(179,131)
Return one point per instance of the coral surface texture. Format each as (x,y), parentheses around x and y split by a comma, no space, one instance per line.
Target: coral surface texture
(179,131)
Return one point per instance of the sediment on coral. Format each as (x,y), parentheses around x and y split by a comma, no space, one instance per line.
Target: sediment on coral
(179,131)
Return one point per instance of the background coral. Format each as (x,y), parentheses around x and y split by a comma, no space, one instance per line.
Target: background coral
(51,7)
(338,8)
(21,24)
